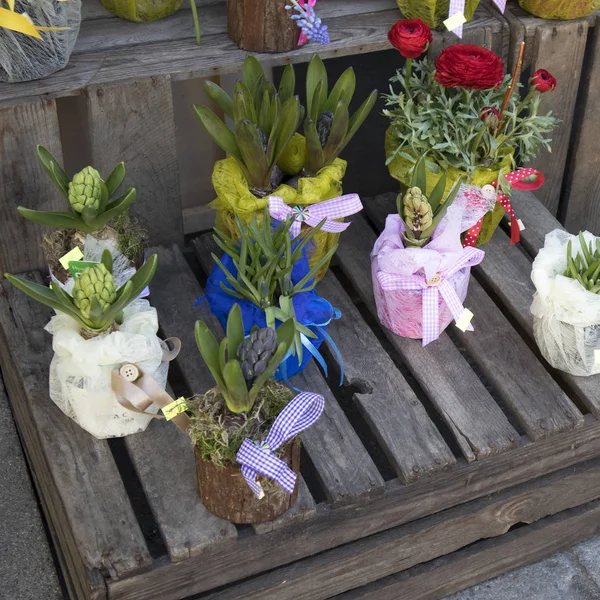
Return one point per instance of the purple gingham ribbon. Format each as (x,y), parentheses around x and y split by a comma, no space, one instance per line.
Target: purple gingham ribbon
(312,215)
(431,290)
(258,458)
(458,7)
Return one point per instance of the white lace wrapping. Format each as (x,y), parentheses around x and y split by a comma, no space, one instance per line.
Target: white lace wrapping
(566,316)
(80,370)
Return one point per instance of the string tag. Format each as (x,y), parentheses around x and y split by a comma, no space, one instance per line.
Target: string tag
(456,20)
(174,408)
(73,255)
(521,226)
(465,319)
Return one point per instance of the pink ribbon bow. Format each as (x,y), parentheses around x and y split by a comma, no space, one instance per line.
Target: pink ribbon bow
(458,7)
(312,215)
(432,288)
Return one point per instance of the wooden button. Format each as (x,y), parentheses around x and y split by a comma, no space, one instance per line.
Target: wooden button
(129,372)
(489,191)
(435,280)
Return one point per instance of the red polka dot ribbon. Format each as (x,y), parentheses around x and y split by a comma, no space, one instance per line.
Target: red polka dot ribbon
(516,179)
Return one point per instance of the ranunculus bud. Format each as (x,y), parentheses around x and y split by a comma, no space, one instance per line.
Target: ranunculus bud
(543,81)
(490,116)
(411,37)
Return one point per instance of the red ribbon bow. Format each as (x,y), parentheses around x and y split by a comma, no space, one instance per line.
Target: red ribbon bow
(516,179)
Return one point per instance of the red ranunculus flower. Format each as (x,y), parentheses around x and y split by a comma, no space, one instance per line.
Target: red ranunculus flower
(470,67)
(543,81)
(411,37)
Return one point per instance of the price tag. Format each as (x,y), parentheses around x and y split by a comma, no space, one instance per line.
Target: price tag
(77,267)
(174,408)
(74,255)
(465,319)
(521,226)
(455,21)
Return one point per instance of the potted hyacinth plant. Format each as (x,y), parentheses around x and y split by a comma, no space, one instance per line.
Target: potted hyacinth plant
(267,156)
(420,269)
(566,305)
(98,219)
(245,430)
(460,111)
(99,327)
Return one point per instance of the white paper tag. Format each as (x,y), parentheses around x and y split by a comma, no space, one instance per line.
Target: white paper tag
(465,319)
(521,226)
(456,20)
(597,356)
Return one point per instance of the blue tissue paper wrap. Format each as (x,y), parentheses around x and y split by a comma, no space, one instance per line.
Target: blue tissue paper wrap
(311,310)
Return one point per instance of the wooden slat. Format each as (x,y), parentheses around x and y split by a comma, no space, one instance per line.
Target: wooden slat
(331,528)
(342,569)
(344,467)
(396,416)
(134,123)
(23,181)
(475,420)
(485,560)
(76,473)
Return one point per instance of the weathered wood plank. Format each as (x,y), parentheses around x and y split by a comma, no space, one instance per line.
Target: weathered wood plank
(487,559)
(76,473)
(134,123)
(343,465)
(400,504)
(397,418)
(23,181)
(368,560)
(475,420)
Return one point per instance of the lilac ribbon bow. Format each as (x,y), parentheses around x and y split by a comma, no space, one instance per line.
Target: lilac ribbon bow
(432,288)
(304,410)
(458,7)
(336,208)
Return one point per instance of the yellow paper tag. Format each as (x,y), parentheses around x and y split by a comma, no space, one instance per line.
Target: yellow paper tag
(73,255)
(464,320)
(174,408)
(455,21)
(597,356)
(521,226)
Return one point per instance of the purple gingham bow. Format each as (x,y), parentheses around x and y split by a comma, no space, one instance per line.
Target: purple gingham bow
(312,215)
(298,415)
(431,290)
(457,7)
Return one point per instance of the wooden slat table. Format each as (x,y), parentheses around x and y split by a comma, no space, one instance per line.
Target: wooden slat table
(416,482)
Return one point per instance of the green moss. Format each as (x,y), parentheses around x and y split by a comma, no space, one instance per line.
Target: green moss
(218,434)
(131,238)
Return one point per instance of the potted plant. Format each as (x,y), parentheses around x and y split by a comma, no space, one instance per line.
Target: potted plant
(460,111)
(36,37)
(267,273)
(419,267)
(97,327)
(266,154)
(560,9)
(566,305)
(245,430)
(97,220)
(434,12)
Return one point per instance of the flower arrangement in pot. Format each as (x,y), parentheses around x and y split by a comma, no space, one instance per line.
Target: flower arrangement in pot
(36,37)
(566,305)
(460,111)
(98,219)
(245,430)
(99,327)
(267,156)
(560,9)
(419,266)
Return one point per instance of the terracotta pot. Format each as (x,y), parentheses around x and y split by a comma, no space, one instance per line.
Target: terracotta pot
(559,9)
(142,11)
(225,493)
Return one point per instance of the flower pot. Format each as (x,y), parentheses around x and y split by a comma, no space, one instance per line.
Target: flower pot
(225,493)
(261,25)
(433,12)
(142,11)
(25,58)
(234,197)
(560,9)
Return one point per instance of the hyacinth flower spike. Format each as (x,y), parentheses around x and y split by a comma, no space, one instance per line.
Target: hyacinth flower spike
(311,26)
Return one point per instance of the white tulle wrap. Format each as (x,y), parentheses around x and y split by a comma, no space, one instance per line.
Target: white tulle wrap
(80,370)
(566,321)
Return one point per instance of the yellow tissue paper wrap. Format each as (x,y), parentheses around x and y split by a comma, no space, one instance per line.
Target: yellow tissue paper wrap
(433,12)
(560,9)
(142,11)
(235,198)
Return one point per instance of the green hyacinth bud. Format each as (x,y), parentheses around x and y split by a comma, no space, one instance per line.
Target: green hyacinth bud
(85,190)
(94,281)
(418,215)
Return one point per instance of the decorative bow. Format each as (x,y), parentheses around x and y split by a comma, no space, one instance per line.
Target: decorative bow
(336,208)
(516,178)
(21,23)
(304,410)
(456,15)
(432,289)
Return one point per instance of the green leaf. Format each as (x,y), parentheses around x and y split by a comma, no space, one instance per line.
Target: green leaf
(54,169)
(316,76)
(107,260)
(114,209)
(38,292)
(264,113)
(59,220)
(358,118)
(254,157)
(314,113)
(337,135)
(209,350)
(143,276)
(343,89)
(419,178)
(269,371)
(437,195)
(235,330)
(95,310)
(115,179)
(220,97)
(243,103)
(286,332)
(236,395)
(287,85)
(314,153)
(89,214)
(285,126)
(253,72)
(218,131)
